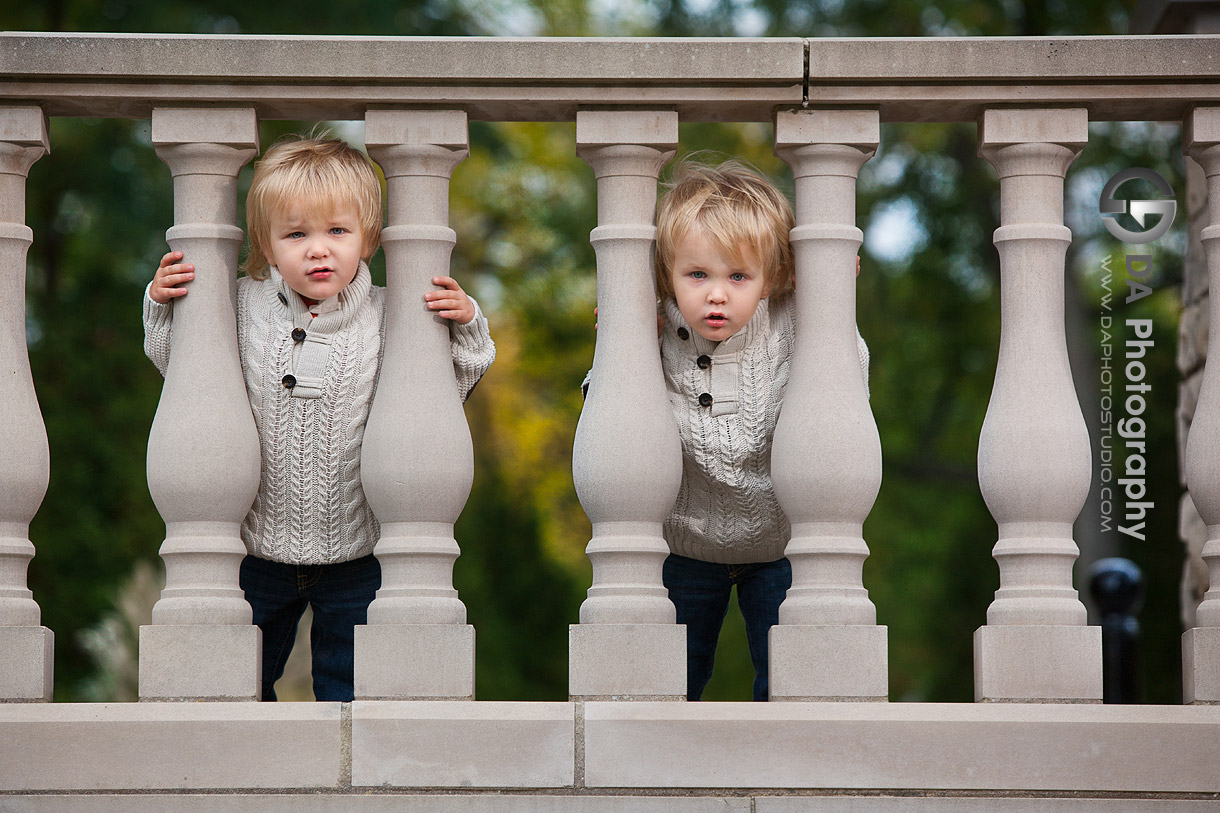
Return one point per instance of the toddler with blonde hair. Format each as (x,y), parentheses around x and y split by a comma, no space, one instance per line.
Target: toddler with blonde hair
(310,336)
(725,274)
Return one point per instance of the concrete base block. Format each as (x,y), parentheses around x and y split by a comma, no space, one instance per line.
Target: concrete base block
(168,746)
(415,662)
(486,802)
(1010,748)
(448,744)
(975,804)
(1201,665)
(27,668)
(200,662)
(1037,664)
(473,802)
(829,662)
(627,660)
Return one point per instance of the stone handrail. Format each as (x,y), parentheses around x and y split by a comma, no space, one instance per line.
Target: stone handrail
(1147,78)
(1033,99)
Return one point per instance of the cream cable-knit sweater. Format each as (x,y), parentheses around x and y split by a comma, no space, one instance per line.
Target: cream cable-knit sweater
(310,507)
(726,509)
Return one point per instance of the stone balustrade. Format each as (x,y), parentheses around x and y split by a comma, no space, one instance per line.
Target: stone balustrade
(417,474)
(415,727)
(1034,461)
(203,458)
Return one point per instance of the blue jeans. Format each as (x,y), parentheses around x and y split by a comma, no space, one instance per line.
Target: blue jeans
(340,595)
(700,593)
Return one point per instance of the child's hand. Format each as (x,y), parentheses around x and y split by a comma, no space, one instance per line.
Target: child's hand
(857,265)
(170,275)
(451,303)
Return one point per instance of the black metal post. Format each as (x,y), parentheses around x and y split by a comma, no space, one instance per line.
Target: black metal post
(1117,586)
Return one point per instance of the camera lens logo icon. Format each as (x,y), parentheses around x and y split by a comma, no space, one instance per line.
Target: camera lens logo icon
(1138,209)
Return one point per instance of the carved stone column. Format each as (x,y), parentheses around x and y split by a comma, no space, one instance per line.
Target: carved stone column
(1034,464)
(1201,645)
(203,458)
(826,457)
(26,665)
(627,457)
(418,460)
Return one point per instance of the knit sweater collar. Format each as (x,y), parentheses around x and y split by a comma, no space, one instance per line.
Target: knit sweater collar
(754,329)
(329,319)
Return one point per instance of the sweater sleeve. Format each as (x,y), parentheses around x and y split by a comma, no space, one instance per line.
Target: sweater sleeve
(158,328)
(862,351)
(472,349)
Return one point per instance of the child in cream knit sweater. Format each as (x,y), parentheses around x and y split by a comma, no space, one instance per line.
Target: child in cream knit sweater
(724,272)
(310,328)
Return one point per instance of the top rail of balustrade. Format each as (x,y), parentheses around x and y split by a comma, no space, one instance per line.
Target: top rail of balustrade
(1135,78)
(548,79)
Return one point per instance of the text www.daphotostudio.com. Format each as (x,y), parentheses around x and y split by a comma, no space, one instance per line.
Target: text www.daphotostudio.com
(1130,398)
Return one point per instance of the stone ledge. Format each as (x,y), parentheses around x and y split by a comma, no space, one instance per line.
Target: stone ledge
(570,803)
(924,746)
(409,750)
(974,804)
(421,744)
(608,60)
(379,803)
(548,79)
(162,746)
(442,60)
(891,60)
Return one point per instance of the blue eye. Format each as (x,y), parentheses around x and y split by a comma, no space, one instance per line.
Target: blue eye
(738,277)
(698,274)
(296,235)
(338,230)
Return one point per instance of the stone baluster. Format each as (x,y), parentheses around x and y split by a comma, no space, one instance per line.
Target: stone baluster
(25,464)
(826,456)
(627,457)
(1034,465)
(1201,645)
(417,465)
(203,457)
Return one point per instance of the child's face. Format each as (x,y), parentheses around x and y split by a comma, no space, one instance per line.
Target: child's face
(316,255)
(716,296)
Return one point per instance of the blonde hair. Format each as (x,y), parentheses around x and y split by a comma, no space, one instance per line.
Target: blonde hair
(318,173)
(737,208)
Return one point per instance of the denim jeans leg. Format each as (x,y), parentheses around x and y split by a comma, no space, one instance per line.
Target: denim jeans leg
(760,590)
(700,593)
(340,598)
(274,593)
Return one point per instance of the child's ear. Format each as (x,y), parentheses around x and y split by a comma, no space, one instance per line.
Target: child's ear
(366,250)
